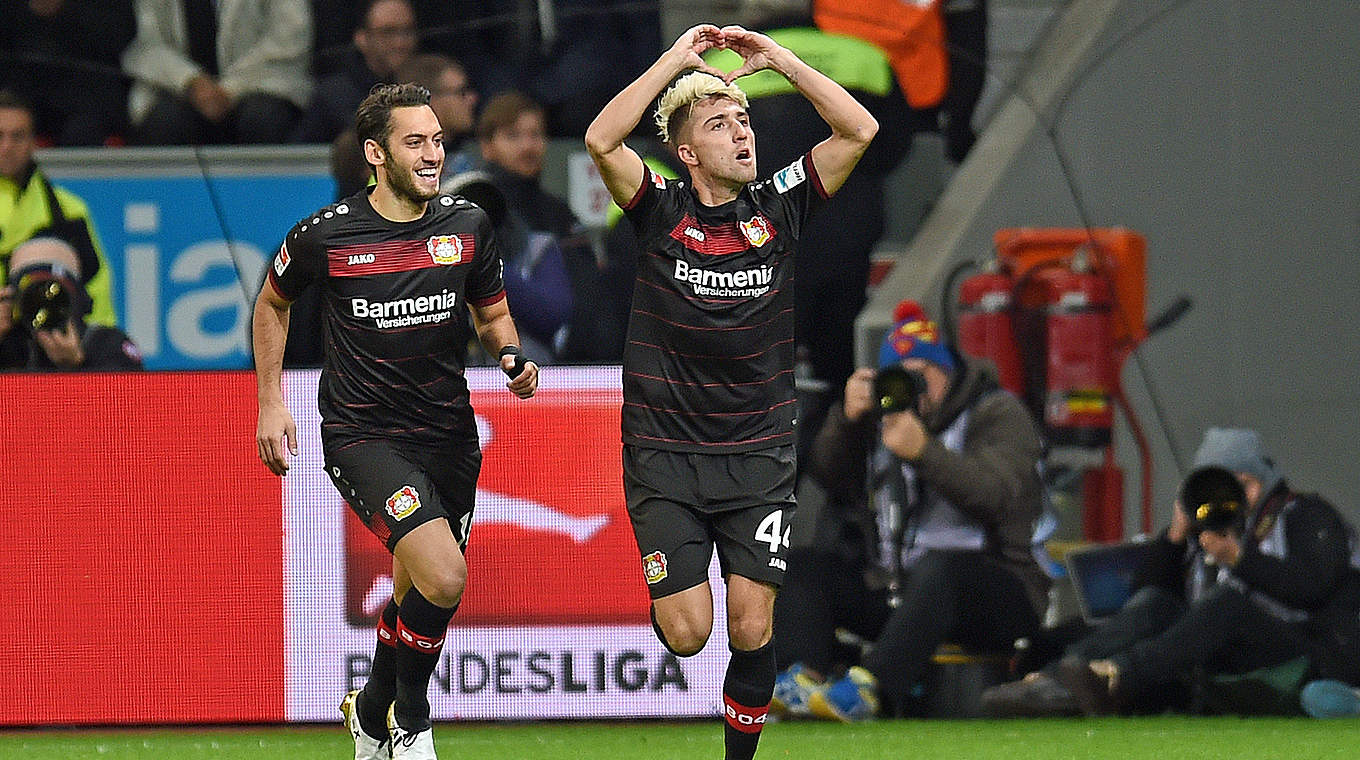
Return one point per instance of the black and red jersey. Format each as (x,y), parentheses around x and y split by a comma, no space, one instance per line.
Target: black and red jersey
(708,366)
(390,301)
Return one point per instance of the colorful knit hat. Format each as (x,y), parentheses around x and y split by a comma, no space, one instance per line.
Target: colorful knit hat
(913,335)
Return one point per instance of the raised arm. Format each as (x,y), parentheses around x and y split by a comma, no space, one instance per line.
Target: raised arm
(620,166)
(852,126)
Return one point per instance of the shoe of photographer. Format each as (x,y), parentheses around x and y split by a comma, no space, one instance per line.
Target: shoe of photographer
(792,690)
(1093,683)
(1037,695)
(1330,699)
(852,698)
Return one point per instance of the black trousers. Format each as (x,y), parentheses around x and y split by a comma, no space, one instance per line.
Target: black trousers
(1221,632)
(962,597)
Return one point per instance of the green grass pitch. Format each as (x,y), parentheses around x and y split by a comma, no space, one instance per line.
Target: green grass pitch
(1194,738)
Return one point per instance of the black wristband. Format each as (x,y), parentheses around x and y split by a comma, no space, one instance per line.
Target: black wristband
(518,367)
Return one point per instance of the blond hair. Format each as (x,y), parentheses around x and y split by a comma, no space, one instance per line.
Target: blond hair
(675,103)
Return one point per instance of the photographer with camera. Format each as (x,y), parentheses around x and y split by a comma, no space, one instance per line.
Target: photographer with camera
(932,470)
(1249,576)
(42,315)
(31,207)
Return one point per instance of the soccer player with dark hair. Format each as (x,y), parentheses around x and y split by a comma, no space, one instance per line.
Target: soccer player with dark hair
(708,397)
(395,263)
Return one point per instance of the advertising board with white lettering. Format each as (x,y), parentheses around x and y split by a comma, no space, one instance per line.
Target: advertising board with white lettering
(554,623)
(185,277)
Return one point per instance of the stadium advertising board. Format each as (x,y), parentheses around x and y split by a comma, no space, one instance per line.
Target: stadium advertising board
(184,295)
(555,619)
(159,574)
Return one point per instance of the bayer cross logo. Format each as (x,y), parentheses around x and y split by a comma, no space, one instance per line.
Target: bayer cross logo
(403,502)
(445,249)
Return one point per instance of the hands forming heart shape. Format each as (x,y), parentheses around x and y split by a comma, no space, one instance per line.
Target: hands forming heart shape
(754,48)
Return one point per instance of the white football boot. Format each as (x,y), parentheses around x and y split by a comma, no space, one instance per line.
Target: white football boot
(365,746)
(409,745)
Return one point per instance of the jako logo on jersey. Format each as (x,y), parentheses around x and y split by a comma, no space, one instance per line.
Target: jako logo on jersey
(757,231)
(695,233)
(790,176)
(281,260)
(360,258)
(654,567)
(445,249)
(402,503)
(743,282)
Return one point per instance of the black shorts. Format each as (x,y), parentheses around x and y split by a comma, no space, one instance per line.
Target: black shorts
(395,487)
(682,505)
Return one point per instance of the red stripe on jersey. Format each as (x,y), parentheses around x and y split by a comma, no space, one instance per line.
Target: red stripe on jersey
(712,444)
(410,638)
(673,352)
(718,240)
(682,413)
(480,302)
(363,259)
(668,381)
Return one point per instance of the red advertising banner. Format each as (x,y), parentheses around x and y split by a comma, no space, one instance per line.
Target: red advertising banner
(154,572)
(142,552)
(551,541)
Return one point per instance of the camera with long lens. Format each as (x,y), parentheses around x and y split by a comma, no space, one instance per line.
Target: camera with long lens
(1214,500)
(45,297)
(897,389)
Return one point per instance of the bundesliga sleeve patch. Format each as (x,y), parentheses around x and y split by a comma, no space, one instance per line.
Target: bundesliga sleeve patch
(281,260)
(402,503)
(790,176)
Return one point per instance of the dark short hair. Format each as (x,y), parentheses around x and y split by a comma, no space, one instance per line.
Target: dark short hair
(503,111)
(425,69)
(8,99)
(366,7)
(373,120)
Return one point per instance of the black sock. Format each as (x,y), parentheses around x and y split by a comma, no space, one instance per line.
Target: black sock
(381,688)
(421,626)
(746,699)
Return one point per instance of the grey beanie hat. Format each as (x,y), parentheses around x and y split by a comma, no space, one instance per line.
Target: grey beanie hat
(1238,450)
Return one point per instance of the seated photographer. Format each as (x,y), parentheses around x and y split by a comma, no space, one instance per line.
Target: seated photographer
(42,315)
(943,529)
(1249,575)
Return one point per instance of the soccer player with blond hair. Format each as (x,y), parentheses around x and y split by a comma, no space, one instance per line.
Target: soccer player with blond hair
(708,396)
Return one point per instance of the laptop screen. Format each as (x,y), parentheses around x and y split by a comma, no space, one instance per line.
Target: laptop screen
(1103,576)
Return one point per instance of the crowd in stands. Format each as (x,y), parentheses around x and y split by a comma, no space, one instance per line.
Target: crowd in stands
(210,72)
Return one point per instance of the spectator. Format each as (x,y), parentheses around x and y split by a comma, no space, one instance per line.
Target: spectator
(51,331)
(551,274)
(218,71)
(946,553)
(455,104)
(31,206)
(1282,586)
(384,41)
(61,47)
